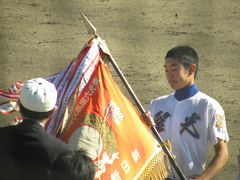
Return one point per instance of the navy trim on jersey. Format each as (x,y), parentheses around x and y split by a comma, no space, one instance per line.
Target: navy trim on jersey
(185,93)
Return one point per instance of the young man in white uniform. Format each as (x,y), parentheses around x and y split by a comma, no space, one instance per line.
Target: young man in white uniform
(190,119)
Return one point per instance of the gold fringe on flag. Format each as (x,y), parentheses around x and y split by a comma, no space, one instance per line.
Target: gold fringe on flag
(157,168)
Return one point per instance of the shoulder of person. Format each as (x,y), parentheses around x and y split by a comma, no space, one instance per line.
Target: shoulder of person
(57,140)
(162,98)
(213,103)
(7,129)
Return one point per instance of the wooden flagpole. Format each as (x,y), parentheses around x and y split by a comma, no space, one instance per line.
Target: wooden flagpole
(92,30)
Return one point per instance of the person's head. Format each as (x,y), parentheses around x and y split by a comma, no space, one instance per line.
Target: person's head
(181,66)
(37,100)
(73,165)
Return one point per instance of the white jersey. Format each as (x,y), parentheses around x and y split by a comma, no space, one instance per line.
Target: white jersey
(191,125)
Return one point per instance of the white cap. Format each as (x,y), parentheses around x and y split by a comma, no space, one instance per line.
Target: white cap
(38,95)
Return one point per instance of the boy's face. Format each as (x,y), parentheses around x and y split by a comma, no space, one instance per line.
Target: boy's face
(177,75)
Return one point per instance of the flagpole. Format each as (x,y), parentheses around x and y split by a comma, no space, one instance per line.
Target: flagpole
(141,109)
(92,30)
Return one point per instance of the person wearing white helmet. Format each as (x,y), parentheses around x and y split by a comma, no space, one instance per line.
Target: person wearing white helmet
(30,148)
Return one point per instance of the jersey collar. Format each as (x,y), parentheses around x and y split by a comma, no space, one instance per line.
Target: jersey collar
(186,92)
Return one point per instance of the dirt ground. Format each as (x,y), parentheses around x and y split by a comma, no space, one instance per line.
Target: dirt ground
(40,37)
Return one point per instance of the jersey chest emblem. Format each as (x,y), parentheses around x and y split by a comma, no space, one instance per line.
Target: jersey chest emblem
(159,119)
(189,125)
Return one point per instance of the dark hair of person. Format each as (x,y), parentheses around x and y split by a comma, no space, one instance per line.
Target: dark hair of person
(73,165)
(33,114)
(185,55)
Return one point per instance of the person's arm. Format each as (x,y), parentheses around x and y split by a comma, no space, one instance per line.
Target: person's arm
(217,163)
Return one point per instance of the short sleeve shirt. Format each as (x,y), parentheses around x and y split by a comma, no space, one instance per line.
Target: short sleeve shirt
(191,125)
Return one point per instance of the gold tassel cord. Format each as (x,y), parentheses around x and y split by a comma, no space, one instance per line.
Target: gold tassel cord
(158,167)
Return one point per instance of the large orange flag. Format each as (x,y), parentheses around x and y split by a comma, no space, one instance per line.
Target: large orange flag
(107,126)
(93,114)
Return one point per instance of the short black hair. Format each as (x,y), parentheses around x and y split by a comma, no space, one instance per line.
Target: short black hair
(73,165)
(185,55)
(26,113)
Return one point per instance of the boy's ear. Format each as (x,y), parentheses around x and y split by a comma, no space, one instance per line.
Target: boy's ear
(192,68)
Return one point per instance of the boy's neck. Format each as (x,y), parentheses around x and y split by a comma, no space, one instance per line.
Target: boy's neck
(186,92)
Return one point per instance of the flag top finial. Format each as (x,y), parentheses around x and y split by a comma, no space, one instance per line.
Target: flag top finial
(90,28)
